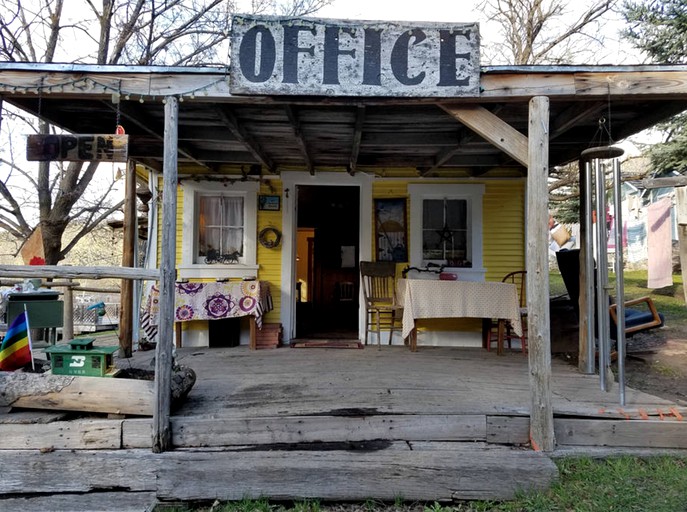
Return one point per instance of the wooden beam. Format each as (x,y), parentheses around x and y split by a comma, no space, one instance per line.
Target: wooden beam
(677,181)
(298,133)
(68,272)
(162,438)
(128,247)
(68,313)
(144,124)
(74,393)
(539,335)
(491,128)
(681,210)
(357,138)
(584,364)
(240,133)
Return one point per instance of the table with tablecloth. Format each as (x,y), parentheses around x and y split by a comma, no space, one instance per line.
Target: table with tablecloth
(424,298)
(213,301)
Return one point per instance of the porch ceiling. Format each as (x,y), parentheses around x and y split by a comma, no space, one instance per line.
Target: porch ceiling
(219,132)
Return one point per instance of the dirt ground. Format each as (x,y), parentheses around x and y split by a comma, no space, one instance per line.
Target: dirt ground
(660,366)
(656,359)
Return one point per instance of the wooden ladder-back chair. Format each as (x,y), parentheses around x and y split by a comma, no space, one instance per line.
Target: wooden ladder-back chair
(382,311)
(519,279)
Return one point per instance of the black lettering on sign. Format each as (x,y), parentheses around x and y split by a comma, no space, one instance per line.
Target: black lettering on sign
(332,50)
(292,49)
(274,55)
(249,57)
(77,148)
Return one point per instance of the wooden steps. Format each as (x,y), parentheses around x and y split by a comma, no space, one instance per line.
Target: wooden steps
(468,471)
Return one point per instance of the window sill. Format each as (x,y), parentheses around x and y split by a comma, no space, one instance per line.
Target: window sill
(217,271)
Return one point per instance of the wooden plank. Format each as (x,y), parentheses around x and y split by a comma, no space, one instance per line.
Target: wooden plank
(100,501)
(468,473)
(62,435)
(69,272)
(492,128)
(71,393)
(639,433)
(357,137)
(539,335)
(228,431)
(68,312)
(163,352)
(508,430)
(82,471)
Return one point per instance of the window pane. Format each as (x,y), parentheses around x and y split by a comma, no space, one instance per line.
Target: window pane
(433,214)
(220,229)
(457,213)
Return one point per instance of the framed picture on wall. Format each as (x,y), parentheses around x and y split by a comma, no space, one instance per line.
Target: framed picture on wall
(271,203)
(391,229)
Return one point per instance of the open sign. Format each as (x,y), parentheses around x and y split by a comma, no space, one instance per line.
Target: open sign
(77,148)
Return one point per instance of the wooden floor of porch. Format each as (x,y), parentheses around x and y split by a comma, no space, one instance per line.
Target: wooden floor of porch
(333,424)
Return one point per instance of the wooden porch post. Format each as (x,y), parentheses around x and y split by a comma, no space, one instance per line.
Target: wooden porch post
(127,296)
(162,435)
(539,334)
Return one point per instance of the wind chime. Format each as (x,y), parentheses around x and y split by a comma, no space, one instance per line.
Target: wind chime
(601,165)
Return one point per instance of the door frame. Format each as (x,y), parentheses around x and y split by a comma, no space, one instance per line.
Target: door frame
(290,181)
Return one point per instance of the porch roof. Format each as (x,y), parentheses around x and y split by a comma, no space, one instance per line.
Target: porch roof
(224,133)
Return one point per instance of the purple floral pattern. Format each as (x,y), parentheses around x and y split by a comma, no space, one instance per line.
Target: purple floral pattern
(183,313)
(219,306)
(210,301)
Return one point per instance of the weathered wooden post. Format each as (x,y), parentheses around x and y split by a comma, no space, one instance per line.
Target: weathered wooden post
(539,331)
(68,314)
(128,247)
(681,207)
(162,435)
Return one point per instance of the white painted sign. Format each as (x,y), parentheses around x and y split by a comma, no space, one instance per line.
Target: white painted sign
(302,56)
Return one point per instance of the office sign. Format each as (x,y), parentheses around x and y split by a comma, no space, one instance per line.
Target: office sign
(77,148)
(301,56)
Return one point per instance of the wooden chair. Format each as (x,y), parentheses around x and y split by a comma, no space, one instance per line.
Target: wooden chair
(519,279)
(382,311)
(636,320)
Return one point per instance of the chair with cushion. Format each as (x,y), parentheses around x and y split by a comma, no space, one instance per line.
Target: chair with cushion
(636,319)
(382,311)
(519,279)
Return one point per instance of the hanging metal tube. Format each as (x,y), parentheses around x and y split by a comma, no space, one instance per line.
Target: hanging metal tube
(619,278)
(602,327)
(589,265)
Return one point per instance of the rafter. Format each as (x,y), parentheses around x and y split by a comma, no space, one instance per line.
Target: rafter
(145,125)
(298,133)
(357,137)
(252,145)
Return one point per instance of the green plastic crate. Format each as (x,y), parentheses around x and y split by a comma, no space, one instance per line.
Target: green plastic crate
(80,357)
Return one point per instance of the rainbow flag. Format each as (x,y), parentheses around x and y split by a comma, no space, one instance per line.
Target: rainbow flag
(15,351)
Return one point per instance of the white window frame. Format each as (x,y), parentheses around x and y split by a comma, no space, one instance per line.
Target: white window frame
(247,266)
(473,195)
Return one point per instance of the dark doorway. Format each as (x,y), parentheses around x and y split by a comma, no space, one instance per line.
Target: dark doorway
(327,262)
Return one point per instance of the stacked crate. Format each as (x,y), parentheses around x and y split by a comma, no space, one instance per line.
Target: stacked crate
(269,336)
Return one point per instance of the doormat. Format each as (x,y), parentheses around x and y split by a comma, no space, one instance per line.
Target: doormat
(327,344)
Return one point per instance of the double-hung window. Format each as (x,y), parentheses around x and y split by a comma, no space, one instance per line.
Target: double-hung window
(219,226)
(446,226)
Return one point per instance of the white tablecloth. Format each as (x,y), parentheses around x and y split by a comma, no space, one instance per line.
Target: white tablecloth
(423,298)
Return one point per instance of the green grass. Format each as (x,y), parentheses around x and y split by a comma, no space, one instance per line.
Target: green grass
(622,484)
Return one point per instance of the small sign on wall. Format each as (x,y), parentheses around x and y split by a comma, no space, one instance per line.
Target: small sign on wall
(271,203)
(77,148)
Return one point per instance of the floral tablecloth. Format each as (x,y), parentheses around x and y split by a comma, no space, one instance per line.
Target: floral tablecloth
(212,301)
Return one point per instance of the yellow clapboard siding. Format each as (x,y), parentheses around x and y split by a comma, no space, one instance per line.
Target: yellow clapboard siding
(269,260)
